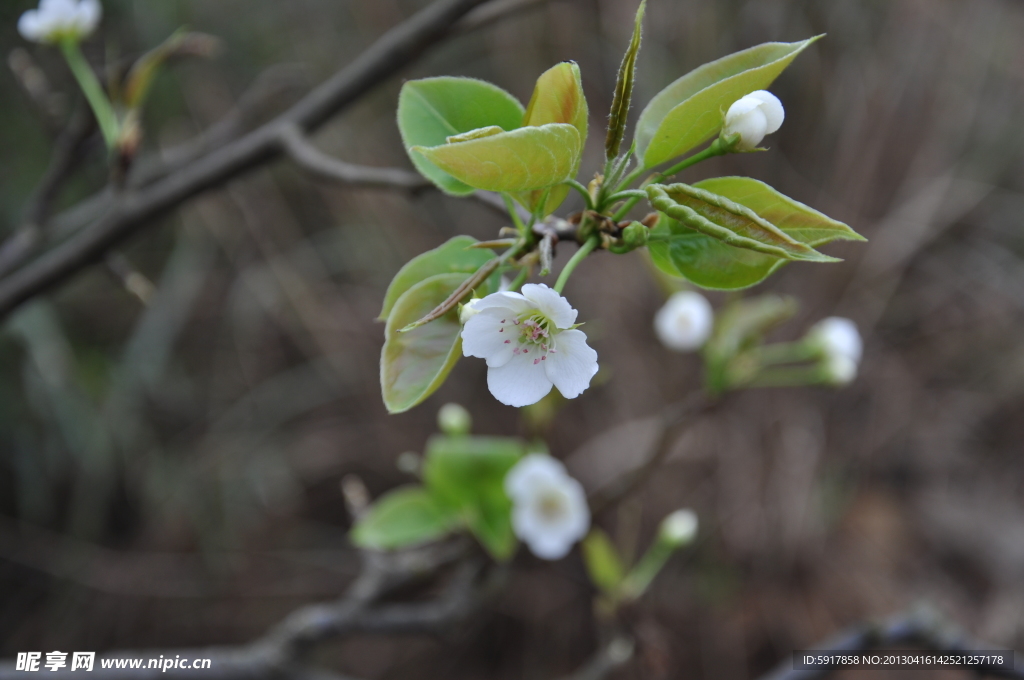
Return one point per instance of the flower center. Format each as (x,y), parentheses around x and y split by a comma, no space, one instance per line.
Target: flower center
(550,506)
(532,334)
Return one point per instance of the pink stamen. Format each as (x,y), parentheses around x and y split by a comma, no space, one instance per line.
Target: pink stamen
(507,341)
(536,361)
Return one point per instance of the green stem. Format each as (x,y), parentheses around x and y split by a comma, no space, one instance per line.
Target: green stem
(785,377)
(577,257)
(520,279)
(583,192)
(93,91)
(786,353)
(713,149)
(514,214)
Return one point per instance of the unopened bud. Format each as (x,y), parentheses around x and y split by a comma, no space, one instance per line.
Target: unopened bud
(454,420)
(752,117)
(679,528)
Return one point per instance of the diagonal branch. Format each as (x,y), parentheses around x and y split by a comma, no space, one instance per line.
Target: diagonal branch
(134,209)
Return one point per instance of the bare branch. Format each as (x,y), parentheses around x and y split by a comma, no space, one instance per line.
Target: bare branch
(674,418)
(923,627)
(308,157)
(134,209)
(284,649)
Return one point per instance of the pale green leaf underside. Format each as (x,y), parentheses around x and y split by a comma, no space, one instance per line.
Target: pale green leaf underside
(452,256)
(602,560)
(414,364)
(689,111)
(432,109)
(404,517)
(710,263)
(520,160)
(728,221)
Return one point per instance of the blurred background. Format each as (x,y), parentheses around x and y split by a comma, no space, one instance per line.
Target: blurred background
(170,472)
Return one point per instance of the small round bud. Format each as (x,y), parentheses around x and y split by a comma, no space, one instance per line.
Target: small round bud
(752,117)
(838,337)
(679,528)
(409,462)
(454,420)
(684,322)
(468,310)
(635,235)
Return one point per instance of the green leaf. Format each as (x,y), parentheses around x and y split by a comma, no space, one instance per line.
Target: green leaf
(728,221)
(432,109)
(602,560)
(710,263)
(467,474)
(690,110)
(452,256)
(404,517)
(557,98)
(521,160)
(414,364)
(180,44)
(623,90)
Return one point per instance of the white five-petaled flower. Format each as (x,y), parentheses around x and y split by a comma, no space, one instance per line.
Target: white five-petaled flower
(530,343)
(55,20)
(549,508)
(841,344)
(753,116)
(684,322)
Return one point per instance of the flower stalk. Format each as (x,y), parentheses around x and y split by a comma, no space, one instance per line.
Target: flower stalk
(94,94)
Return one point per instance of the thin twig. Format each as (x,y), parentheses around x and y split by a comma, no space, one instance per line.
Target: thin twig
(673,418)
(130,212)
(308,157)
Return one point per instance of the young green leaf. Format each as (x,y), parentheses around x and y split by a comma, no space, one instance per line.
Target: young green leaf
(689,111)
(623,90)
(403,517)
(143,72)
(432,109)
(520,160)
(557,98)
(602,561)
(414,364)
(453,256)
(467,474)
(710,263)
(728,221)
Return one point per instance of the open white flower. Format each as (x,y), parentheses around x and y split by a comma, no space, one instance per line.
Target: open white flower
(530,343)
(549,508)
(684,322)
(753,116)
(56,20)
(841,344)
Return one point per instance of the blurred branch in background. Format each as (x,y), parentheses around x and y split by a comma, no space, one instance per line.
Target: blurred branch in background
(125,213)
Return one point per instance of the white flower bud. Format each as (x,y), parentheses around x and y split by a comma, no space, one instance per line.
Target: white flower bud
(56,20)
(469,310)
(840,370)
(838,337)
(684,322)
(679,528)
(752,117)
(453,419)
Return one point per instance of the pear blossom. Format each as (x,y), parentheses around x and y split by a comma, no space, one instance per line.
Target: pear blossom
(684,322)
(530,343)
(549,508)
(56,20)
(753,116)
(841,345)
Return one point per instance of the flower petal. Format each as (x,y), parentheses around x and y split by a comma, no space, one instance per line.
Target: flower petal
(550,304)
(506,299)
(772,109)
(520,382)
(573,363)
(485,336)
(530,473)
(30,26)
(549,546)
